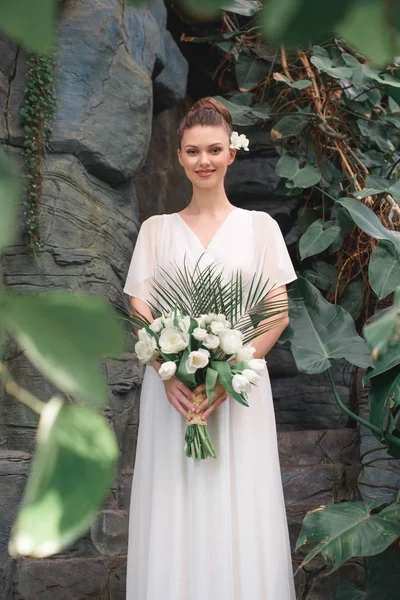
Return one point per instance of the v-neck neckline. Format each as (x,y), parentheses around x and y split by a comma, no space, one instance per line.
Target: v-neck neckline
(205,249)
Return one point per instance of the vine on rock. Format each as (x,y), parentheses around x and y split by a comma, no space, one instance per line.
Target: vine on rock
(37,113)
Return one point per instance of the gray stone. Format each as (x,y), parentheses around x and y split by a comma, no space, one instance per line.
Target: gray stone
(319,447)
(306,401)
(162,186)
(319,484)
(61,579)
(109,532)
(14,467)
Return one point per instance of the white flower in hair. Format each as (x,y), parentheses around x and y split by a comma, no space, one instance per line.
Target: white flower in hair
(239,141)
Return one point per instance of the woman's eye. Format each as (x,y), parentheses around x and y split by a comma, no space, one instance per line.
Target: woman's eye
(217,150)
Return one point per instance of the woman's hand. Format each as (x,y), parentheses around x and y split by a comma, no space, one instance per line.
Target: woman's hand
(179,395)
(219,395)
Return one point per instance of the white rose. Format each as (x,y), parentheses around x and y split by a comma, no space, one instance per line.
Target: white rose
(197,359)
(199,333)
(167,370)
(231,341)
(157,324)
(240,383)
(211,341)
(245,354)
(146,348)
(257,364)
(184,323)
(217,327)
(172,340)
(251,375)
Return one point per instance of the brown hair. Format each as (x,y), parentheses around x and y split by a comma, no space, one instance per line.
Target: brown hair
(206,111)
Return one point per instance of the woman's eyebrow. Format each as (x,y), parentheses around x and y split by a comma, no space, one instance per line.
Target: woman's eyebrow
(213,144)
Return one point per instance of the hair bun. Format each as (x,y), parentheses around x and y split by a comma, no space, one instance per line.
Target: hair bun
(207,111)
(210,103)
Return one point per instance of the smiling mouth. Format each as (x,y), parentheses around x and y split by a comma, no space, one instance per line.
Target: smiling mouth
(205,172)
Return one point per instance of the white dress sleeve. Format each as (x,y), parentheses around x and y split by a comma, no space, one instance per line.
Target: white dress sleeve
(144,260)
(275,262)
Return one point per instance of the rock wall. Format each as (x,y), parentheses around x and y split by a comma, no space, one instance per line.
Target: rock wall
(121,84)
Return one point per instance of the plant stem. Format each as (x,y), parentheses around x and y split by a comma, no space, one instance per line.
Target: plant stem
(394,440)
(22,395)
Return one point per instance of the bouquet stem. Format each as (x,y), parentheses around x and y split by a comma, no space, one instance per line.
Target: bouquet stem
(198,443)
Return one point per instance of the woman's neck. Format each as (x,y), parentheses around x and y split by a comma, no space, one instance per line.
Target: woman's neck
(210,200)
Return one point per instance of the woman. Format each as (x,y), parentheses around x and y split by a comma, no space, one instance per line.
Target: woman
(210,529)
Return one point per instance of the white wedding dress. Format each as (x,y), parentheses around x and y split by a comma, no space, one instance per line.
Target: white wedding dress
(211,529)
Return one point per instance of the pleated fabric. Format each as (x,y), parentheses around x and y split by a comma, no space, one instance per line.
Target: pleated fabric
(212,529)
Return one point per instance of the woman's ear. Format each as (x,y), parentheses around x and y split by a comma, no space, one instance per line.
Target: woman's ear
(180,156)
(232,152)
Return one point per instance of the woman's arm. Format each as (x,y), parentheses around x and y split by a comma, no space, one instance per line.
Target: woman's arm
(264,342)
(139,306)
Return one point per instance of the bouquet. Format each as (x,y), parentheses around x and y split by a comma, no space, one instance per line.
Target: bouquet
(201,333)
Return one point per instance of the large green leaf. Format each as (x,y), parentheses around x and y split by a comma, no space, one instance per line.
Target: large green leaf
(291,125)
(322,275)
(371,27)
(318,237)
(65,335)
(352,298)
(368,221)
(326,64)
(249,71)
(288,166)
(320,332)
(31,23)
(246,8)
(384,269)
(384,397)
(9,195)
(383,339)
(348,591)
(342,531)
(296,22)
(382,578)
(72,470)
(242,114)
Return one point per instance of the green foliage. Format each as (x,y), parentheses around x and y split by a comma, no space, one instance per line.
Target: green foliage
(9,196)
(30,23)
(342,531)
(72,469)
(61,335)
(37,114)
(320,332)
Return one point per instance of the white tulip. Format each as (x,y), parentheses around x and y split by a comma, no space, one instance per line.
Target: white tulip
(231,341)
(146,348)
(197,359)
(245,354)
(168,322)
(251,375)
(201,320)
(167,370)
(211,341)
(210,317)
(184,323)
(157,324)
(257,364)
(217,327)
(172,340)
(199,333)
(240,383)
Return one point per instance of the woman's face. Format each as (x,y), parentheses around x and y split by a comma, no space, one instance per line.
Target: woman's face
(205,154)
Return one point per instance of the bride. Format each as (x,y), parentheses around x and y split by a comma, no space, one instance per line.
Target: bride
(212,529)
